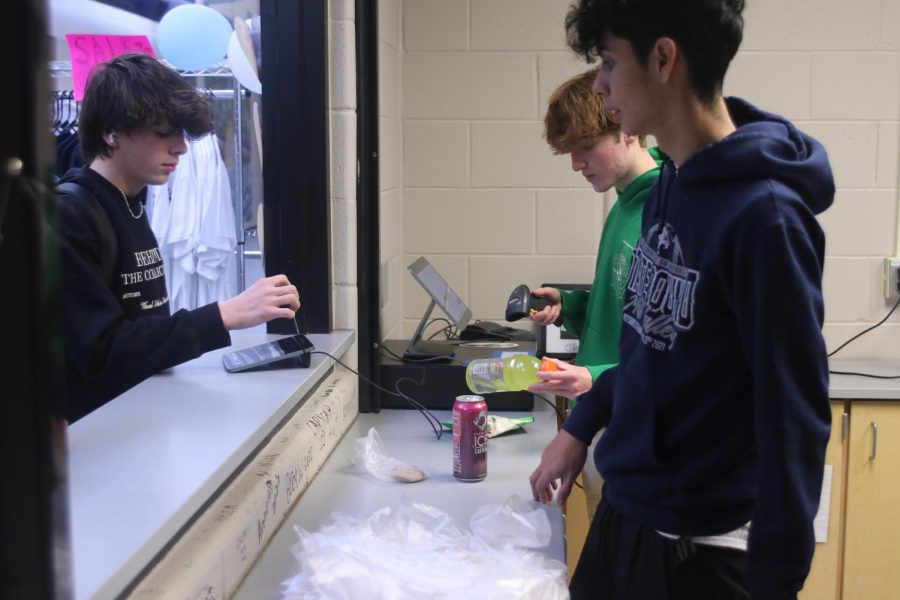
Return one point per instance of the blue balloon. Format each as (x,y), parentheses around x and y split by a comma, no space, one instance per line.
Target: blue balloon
(193,37)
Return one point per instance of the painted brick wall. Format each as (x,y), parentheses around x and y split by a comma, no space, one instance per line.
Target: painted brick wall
(391,167)
(342,123)
(481,195)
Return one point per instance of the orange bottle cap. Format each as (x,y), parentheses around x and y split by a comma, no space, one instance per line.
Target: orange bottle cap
(548,365)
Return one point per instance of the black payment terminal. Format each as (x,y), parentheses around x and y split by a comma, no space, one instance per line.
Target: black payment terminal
(287,352)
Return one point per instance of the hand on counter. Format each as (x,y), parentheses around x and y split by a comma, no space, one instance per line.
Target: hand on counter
(562,460)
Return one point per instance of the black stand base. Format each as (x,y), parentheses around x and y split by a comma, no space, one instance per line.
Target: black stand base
(427,350)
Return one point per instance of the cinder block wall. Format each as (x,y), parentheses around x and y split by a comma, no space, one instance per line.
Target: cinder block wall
(391,167)
(342,147)
(483,198)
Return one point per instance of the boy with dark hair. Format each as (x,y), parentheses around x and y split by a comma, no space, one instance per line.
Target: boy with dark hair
(717,415)
(136,92)
(577,124)
(117,330)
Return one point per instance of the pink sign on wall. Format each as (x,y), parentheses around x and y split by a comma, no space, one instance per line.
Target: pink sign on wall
(89,50)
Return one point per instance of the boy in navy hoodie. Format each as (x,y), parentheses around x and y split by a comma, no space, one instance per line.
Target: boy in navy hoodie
(117,330)
(717,415)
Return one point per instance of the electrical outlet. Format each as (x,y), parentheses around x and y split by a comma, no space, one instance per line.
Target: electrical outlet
(891,278)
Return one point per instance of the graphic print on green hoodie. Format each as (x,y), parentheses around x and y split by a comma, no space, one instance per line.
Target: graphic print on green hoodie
(595,316)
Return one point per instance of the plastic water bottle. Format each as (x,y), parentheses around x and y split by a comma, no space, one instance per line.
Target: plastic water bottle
(510,374)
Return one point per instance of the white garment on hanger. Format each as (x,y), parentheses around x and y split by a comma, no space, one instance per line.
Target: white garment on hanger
(217,237)
(193,220)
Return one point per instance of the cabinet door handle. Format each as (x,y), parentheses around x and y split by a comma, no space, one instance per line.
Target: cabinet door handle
(874,440)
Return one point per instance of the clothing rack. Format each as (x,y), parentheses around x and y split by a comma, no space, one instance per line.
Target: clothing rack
(62,69)
(65,110)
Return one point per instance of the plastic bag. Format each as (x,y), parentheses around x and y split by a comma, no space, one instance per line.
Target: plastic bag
(416,551)
(371,456)
(511,524)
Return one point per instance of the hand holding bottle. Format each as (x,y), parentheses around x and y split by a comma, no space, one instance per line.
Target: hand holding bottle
(566,380)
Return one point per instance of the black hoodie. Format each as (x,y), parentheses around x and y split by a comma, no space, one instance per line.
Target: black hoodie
(117,329)
(718,412)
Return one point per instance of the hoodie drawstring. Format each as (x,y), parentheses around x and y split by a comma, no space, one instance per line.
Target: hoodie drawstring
(661,205)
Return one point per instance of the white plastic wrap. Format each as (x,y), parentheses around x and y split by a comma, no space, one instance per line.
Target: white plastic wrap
(416,551)
(511,525)
(373,458)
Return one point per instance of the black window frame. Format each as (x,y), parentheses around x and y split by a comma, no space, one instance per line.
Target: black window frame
(368,224)
(34,550)
(296,215)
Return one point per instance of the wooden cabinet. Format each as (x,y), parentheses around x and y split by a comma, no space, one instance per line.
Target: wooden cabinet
(860,559)
(577,525)
(872,533)
(824,574)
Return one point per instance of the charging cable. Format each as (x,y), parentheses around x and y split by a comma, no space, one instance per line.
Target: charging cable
(433,421)
(864,331)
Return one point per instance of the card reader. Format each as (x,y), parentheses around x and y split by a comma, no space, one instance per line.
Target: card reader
(288,352)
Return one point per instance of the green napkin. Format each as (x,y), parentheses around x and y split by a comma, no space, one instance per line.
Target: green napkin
(497,425)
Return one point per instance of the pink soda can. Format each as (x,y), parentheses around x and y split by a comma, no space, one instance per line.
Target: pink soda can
(470,433)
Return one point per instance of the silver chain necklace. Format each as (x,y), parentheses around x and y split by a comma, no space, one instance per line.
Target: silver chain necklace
(128,205)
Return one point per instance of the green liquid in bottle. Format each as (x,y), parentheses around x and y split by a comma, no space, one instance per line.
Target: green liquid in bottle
(510,374)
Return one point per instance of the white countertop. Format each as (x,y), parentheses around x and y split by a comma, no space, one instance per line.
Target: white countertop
(339,488)
(141,466)
(855,387)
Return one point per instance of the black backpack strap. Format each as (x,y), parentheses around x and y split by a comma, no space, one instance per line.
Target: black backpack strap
(110,251)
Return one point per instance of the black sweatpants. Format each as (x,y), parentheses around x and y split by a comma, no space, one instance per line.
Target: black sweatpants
(622,560)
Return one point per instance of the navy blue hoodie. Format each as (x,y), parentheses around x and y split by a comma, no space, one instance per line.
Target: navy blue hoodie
(116,328)
(718,412)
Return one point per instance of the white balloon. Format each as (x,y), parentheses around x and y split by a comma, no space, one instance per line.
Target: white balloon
(192,36)
(241,68)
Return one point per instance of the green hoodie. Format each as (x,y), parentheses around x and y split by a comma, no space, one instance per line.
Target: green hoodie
(595,316)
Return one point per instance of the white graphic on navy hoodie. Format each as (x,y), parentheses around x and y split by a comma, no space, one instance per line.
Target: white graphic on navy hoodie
(661,299)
